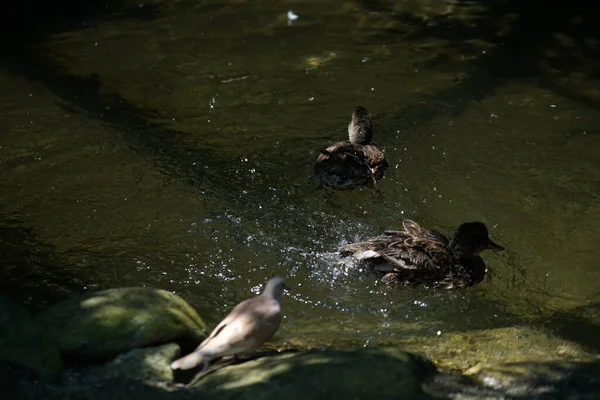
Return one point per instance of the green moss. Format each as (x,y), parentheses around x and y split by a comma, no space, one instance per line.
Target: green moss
(108,322)
(376,373)
(150,365)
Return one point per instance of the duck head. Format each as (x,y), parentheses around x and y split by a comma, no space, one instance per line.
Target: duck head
(472,238)
(360,128)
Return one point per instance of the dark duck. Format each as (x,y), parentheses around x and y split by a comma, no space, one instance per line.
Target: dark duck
(418,256)
(358,161)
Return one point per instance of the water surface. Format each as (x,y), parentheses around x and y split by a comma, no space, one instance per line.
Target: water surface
(172,147)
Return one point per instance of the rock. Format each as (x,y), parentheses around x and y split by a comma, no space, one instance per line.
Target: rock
(455,350)
(103,324)
(150,365)
(461,351)
(560,379)
(360,374)
(24,342)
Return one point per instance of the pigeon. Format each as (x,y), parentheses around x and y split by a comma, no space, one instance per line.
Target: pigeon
(250,324)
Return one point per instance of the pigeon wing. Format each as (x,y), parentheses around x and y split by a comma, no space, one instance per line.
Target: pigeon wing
(246,327)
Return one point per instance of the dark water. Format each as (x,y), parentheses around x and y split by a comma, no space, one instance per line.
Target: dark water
(170,145)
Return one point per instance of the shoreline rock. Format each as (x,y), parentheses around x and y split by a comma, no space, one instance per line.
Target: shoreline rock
(104,324)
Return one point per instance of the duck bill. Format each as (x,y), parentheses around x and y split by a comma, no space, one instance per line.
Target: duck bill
(494,246)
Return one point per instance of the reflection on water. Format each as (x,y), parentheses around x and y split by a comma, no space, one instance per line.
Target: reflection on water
(175,151)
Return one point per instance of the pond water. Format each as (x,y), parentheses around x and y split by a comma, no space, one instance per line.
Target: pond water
(170,145)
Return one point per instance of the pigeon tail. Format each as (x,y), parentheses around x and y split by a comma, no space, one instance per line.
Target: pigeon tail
(190,361)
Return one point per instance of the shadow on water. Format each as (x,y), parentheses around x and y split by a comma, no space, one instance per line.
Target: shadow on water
(143,131)
(154,141)
(24,22)
(580,325)
(31,273)
(167,149)
(523,41)
(532,28)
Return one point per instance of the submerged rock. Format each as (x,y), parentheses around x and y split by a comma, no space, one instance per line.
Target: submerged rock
(558,379)
(361,374)
(103,324)
(24,342)
(464,350)
(454,350)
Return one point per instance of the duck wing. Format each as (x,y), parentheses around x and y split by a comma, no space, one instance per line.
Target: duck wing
(343,150)
(376,244)
(375,159)
(415,230)
(419,256)
(391,244)
(342,165)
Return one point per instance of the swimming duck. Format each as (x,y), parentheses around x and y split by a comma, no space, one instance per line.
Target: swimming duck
(358,161)
(420,256)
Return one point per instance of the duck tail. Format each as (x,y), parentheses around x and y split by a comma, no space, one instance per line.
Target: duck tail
(190,361)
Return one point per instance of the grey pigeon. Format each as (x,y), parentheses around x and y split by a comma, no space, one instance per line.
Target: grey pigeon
(250,324)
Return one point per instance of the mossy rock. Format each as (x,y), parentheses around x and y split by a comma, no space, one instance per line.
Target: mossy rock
(360,374)
(455,350)
(24,342)
(150,365)
(463,350)
(103,324)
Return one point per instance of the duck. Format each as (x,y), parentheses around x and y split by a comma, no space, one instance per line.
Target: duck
(419,256)
(357,161)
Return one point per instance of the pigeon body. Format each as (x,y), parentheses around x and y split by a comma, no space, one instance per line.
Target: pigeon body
(250,324)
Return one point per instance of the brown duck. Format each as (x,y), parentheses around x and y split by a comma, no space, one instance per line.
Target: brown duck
(358,161)
(417,256)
